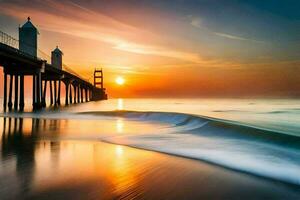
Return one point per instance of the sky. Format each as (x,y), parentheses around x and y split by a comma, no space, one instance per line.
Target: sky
(172,48)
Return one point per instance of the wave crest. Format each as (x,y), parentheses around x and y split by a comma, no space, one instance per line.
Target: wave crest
(230,144)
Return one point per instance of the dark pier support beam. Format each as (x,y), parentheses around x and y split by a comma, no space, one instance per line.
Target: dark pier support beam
(81,93)
(33,91)
(16,92)
(89,91)
(51,93)
(70,97)
(5,92)
(58,93)
(75,91)
(55,92)
(75,94)
(78,94)
(44,94)
(86,95)
(67,93)
(91,94)
(38,90)
(22,103)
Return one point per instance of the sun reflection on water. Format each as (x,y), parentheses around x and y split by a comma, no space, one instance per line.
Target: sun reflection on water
(120,125)
(42,158)
(119,150)
(120,104)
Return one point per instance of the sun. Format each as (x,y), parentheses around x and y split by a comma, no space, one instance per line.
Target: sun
(120,80)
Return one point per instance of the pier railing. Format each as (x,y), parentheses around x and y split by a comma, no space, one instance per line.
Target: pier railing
(14,43)
(8,40)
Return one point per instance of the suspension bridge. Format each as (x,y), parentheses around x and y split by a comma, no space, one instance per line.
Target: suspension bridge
(22,57)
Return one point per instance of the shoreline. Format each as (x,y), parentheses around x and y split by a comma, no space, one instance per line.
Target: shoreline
(214,164)
(170,175)
(66,158)
(128,172)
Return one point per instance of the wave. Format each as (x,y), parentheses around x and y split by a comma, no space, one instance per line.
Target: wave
(262,152)
(230,144)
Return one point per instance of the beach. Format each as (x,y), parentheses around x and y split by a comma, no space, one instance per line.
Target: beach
(61,154)
(35,168)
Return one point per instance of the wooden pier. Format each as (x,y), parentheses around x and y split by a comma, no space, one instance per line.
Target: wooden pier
(18,62)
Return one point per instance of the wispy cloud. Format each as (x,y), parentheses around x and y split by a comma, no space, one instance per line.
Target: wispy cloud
(234,37)
(158,51)
(73,19)
(198,23)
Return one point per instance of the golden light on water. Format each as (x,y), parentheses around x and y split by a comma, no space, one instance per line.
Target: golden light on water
(119,150)
(120,80)
(120,125)
(120,104)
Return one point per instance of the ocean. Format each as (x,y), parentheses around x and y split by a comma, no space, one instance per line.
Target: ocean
(259,137)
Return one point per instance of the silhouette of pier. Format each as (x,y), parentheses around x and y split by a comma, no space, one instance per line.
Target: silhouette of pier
(20,58)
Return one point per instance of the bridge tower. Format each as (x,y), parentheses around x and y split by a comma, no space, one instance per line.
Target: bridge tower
(28,38)
(98,78)
(98,92)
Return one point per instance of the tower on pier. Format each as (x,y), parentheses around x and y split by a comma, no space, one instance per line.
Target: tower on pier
(56,58)
(28,38)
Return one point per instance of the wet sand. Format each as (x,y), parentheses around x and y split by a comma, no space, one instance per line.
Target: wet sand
(33,166)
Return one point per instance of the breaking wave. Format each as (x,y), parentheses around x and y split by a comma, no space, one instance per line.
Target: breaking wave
(229,144)
(263,152)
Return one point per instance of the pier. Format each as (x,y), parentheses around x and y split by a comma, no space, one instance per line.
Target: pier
(20,58)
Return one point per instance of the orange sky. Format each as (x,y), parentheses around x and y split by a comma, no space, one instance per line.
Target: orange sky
(163,53)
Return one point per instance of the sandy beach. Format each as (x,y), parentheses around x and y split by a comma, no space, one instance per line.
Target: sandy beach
(33,167)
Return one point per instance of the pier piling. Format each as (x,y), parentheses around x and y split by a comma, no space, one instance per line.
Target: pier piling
(78,94)
(75,91)
(16,92)
(58,95)
(44,94)
(55,93)
(5,91)
(22,103)
(70,97)
(38,90)
(67,93)
(51,93)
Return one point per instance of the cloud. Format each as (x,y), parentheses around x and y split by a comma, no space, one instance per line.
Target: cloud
(158,51)
(233,37)
(198,23)
(73,19)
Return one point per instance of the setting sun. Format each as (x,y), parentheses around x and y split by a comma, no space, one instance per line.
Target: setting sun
(120,80)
